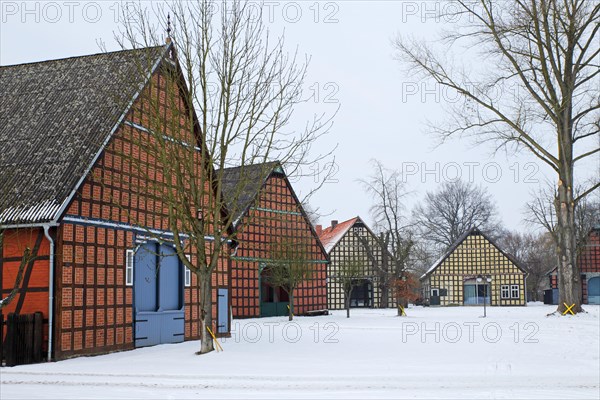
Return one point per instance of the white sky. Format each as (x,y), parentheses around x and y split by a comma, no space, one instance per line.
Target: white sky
(352,65)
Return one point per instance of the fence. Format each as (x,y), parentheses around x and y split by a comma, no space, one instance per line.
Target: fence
(24,338)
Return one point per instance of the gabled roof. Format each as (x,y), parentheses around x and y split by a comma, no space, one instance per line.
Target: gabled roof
(472,232)
(55,118)
(241,185)
(331,236)
(240,197)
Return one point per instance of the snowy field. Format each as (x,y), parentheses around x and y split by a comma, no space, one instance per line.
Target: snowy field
(433,353)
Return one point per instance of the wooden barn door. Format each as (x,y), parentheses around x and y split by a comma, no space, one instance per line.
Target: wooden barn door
(158,295)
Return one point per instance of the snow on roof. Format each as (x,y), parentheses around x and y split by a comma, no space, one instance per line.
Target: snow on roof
(435,264)
(330,237)
(458,241)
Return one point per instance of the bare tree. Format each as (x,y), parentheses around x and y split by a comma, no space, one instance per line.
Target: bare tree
(444,215)
(349,274)
(394,234)
(311,212)
(540,211)
(538,71)
(422,257)
(290,265)
(236,108)
(536,253)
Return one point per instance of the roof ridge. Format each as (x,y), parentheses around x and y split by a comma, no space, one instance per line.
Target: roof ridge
(82,56)
(265,163)
(329,229)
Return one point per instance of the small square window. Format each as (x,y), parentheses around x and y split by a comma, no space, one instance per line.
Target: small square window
(504,292)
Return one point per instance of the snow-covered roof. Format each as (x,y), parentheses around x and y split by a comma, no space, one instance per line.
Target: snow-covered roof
(331,236)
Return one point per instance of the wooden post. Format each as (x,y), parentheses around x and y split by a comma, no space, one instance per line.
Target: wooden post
(38,336)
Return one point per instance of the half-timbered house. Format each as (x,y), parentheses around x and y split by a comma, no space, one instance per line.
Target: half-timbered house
(353,239)
(473,271)
(101,278)
(267,211)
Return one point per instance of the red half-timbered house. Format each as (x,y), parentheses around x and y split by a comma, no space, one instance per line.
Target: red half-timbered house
(267,211)
(64,135)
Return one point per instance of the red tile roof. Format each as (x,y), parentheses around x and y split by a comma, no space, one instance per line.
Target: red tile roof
(329,237)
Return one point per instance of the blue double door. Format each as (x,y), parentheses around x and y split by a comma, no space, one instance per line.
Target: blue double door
(158,295)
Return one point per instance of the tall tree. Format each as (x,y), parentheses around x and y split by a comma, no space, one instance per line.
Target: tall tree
(395,238)
(242,89)
(534,87)
(444,215)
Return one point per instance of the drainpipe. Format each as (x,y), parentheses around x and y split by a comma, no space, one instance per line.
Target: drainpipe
(50,290)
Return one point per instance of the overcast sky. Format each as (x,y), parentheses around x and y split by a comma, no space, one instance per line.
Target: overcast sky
(382,108)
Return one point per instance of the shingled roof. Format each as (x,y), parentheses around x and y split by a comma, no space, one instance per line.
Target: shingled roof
(55,118)
(242,184)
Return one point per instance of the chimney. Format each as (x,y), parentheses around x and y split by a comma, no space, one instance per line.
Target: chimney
(319,229)
(334,223)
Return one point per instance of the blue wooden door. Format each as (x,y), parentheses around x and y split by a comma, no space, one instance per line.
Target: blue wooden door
(145,297)
(223,310)
(158,295)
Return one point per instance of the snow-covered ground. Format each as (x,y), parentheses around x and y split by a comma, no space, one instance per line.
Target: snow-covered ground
(452,352)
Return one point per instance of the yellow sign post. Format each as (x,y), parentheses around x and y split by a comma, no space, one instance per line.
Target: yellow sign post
(402,312)
(218,345)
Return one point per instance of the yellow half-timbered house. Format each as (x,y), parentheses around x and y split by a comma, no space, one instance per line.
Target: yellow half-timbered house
(473,271)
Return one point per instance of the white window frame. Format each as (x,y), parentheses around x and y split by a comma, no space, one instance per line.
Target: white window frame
(129,264)
(505,291)
(436,290)
(188,273)
(517,288)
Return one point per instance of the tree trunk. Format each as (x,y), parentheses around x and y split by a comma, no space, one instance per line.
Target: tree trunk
(291,306)
(347,303)
(385,292)
(206,345)
(569,278)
